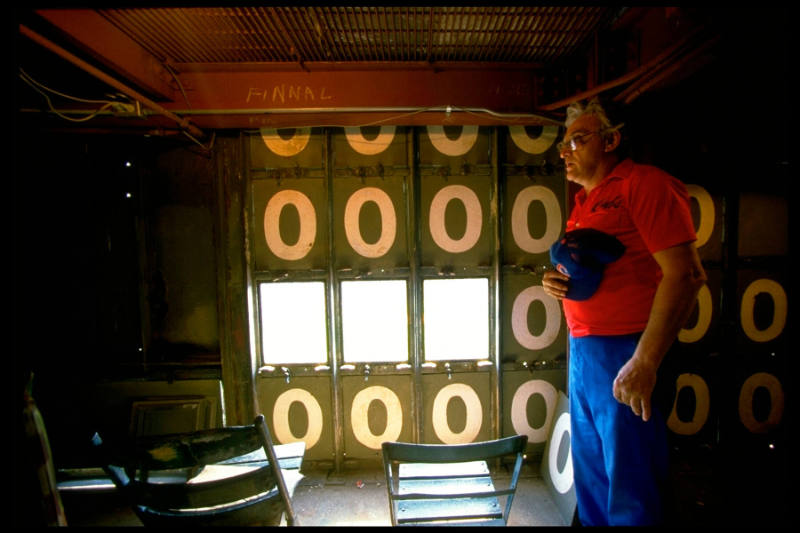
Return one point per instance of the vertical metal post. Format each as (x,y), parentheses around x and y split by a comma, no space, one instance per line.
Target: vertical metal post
(235,350)
(415,298)
(332,303)
(494,301)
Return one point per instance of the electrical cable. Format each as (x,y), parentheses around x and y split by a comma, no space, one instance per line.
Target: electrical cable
(180,85)
(40,88)
(210,142)
(30,78)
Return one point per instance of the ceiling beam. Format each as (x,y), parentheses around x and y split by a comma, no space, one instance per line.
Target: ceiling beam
(110,81)
(113,49)
(499,90)
(238,99)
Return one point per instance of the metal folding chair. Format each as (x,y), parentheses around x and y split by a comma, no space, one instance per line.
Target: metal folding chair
(224,476)
(440,484)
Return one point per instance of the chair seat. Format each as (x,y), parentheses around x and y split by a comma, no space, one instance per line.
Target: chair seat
(450,484)
(454,501)
(219,472)
(209,473)
(225,476)
(290,456)
(439,470)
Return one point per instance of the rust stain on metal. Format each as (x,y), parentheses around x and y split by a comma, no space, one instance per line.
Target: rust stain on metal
(163,453)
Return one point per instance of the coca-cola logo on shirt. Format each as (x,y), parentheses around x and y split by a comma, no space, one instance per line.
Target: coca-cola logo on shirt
(614,203)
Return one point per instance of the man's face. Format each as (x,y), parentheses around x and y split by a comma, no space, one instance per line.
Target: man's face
(582,163)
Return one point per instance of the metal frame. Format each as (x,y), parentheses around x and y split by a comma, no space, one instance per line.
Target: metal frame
(415,273)
(443,475)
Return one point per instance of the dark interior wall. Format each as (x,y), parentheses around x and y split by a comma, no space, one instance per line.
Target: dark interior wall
(115,269)
(729,117)
(181,265)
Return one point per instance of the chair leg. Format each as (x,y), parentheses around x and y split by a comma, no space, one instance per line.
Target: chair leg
(291,519)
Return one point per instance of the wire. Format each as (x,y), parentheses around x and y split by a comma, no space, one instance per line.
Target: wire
(501,117)
(40,88)
(180,85)
(210,142)
(27,77)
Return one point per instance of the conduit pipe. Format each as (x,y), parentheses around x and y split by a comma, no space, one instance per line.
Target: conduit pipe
(651,66)
(637,89)
(102,76)
(544,120)
(354,110)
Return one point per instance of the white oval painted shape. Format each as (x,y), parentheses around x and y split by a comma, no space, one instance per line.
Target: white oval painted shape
(519,318)
(436,220)
(286,147)
(280,417)
(519,404)
(748,304)
(706,224)
(441,426)
(359,417)
(746,394)
(562,480)
(453,147)
(519,219)
(701,408)
(704,308)
(363,146)
(388,222)
(308,225)
(533,145)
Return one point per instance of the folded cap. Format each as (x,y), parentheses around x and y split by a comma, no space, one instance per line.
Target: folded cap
(583,254)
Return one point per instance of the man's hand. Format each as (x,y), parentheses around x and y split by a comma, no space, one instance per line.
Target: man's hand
(555,284)
(634,386)
(676,296)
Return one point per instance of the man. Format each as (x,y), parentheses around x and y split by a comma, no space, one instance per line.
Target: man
(619,335)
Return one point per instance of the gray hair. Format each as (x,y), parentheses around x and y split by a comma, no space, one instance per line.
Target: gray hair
(592,107)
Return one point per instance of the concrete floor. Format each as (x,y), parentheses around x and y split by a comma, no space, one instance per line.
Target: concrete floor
(326,498)
(359,499)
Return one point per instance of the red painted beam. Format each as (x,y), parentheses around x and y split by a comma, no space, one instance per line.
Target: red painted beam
(111,47)
(498,90)
(387,118)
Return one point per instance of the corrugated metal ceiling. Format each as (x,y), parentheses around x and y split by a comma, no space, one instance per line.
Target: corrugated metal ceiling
(233,67)
(240,35)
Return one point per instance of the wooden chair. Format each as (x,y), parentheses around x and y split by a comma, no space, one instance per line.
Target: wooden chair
(226,476)
(440,484)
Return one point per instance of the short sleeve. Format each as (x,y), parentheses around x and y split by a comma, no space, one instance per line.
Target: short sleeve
(659,206)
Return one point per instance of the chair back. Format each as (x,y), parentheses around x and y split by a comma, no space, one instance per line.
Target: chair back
(223,476)
(444,484)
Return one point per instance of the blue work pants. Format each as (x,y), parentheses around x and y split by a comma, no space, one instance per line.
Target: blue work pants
(620,462)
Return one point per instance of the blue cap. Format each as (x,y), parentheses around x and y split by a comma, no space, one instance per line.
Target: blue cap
(583,254)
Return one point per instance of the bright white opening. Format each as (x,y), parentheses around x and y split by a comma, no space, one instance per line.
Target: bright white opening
(456,318)
(374,321)
(293,322)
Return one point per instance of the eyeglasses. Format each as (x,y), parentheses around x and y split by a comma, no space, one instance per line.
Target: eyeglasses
(580,139)
(576,141)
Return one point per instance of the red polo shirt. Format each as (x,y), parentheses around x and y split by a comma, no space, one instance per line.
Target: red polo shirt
(648,211)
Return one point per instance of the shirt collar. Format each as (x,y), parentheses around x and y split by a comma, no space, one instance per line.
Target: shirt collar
(622,170)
